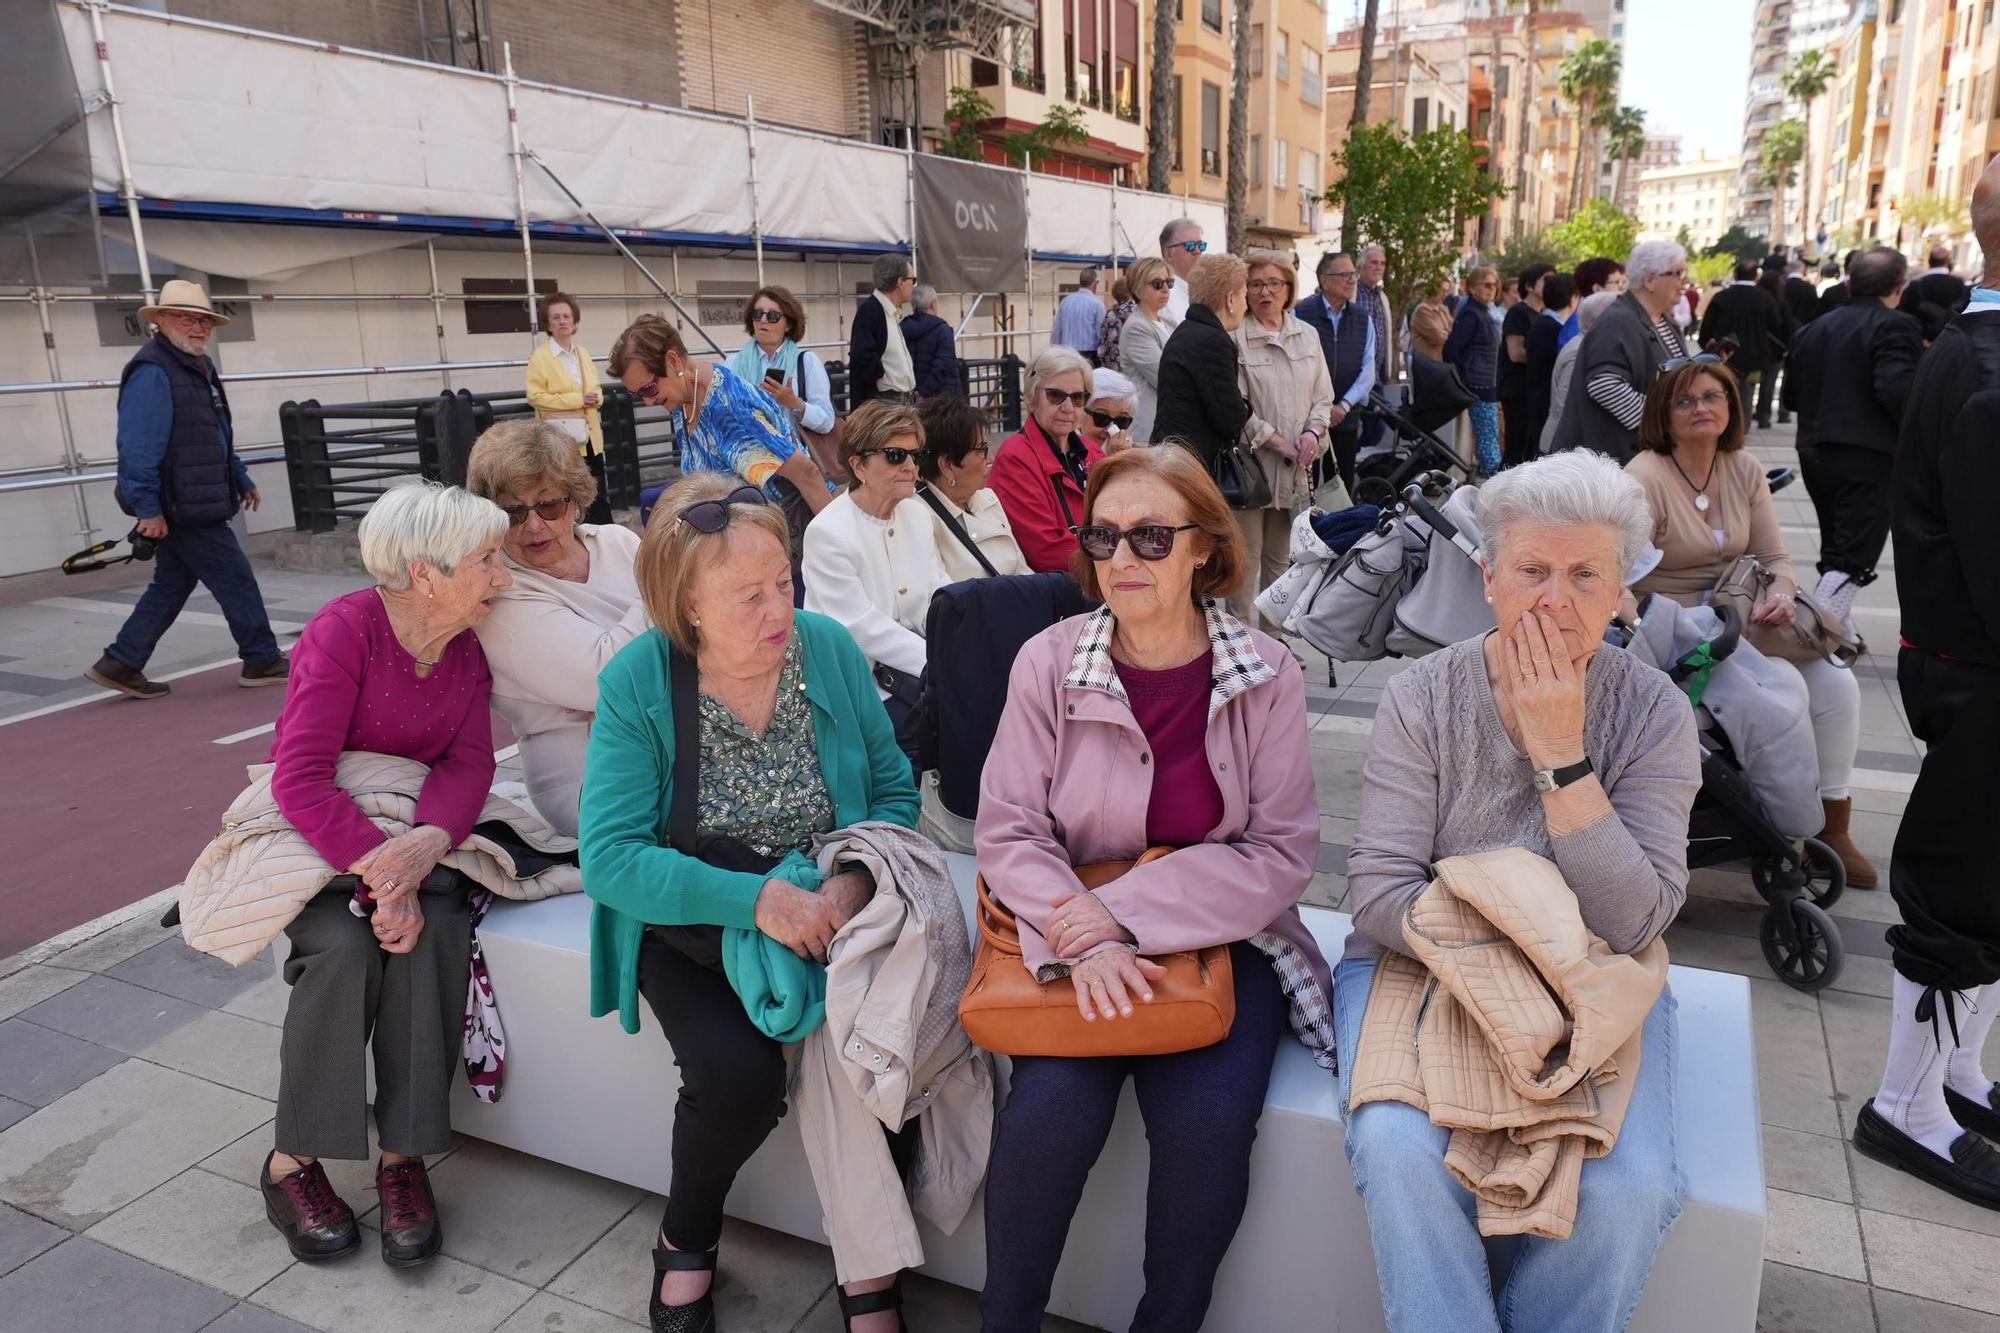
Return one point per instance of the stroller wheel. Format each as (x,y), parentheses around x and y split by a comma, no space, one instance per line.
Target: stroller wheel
(1805,950)
(1819,875)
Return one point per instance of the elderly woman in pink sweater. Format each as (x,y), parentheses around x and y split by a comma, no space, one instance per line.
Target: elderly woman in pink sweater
(392,669)
(1158,720)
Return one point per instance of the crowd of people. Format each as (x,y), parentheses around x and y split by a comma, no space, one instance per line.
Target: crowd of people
(718,711)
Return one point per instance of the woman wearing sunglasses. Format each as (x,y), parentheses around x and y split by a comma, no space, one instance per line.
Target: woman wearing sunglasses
(1284,376)
(789,742)
(1711,503)
(871,560)
(773,360)
(573,604)
(1107,417)
(974,539)
(1041,469)
(1157,720)
(1144,338)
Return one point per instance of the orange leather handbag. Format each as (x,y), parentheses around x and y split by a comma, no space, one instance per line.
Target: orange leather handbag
(1007,1011)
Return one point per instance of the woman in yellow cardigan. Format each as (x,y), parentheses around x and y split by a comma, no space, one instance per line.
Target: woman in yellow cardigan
(562,388)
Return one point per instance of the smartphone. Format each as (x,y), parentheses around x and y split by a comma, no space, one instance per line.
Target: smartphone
(775,374)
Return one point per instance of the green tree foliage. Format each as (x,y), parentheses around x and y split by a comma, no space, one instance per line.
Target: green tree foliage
(1704,269)
(1783,148)
(1061,125)
(1739,244)
(1807,79)
(1624,129)
(1523,249)
(1937,214)
(1600,227)
(1411,196)
(1588,80)
(964,109)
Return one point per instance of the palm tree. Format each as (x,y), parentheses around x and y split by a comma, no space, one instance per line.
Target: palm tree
(1807,79)
(1783,148)
(1364,80)
(1527,116)
(1160,109)
(1237,184)
(1624,139)
(1587,78)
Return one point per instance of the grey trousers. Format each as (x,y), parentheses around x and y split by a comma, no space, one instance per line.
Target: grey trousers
(345,992)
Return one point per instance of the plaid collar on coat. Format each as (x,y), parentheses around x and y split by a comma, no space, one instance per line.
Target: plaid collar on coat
(1238,665)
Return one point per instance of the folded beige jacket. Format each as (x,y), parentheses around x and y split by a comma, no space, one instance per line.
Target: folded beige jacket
(259,872)
(1514,1027)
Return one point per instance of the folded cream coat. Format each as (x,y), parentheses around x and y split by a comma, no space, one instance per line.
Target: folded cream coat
(259,872)
(890,1052)
(1514,1027)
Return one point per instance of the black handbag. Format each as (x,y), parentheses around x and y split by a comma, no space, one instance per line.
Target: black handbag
(1242,483)
(701,944)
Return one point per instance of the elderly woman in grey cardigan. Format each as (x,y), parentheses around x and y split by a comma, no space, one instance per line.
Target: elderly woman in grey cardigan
(1533,735)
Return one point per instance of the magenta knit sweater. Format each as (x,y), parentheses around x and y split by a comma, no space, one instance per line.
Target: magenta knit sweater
(354,687)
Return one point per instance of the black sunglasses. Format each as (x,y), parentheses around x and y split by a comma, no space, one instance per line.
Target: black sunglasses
(1104,419)
(1056,397)
(712,516)
(895,457)
(1158,284)
(547,510)
(1150,541)
(768,316)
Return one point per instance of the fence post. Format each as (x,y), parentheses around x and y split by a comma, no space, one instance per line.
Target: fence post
(1010,391)
(621,449)
(430,425)
(303,429)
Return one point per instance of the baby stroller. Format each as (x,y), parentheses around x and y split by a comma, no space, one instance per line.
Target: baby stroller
(1413,450)
(1744,704)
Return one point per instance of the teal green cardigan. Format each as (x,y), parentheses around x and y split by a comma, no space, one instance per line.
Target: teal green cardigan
(632,876)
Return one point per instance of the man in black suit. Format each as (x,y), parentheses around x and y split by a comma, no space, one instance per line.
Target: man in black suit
(1801,296)
(1936,294)
(1936,1101)
(1748,312)
(878,360)
(1835,296)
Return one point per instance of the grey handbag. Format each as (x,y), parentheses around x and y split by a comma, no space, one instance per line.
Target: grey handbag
(1348,613)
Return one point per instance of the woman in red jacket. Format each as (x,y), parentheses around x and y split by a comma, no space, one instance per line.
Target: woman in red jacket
(1041,469)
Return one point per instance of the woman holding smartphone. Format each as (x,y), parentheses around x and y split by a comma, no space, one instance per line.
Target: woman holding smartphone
(773,359)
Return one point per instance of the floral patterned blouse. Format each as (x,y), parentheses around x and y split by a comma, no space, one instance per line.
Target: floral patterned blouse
(766,792)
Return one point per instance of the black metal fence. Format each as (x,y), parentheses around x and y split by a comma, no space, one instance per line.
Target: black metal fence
(340,456)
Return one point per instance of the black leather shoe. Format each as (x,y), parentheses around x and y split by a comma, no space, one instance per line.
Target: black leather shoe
(113,674)
(1972,1173)
(410,1231)
(694,1317)
(314,1221)
(1979,1117)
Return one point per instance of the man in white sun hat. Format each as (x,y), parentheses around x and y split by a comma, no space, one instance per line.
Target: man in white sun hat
(179,476)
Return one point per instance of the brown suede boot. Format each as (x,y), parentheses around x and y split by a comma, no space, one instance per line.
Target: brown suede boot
(1860,872)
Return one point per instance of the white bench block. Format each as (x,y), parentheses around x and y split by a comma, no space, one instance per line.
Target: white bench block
(582,1092)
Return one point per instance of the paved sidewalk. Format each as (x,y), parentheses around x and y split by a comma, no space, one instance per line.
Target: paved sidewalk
(136,1086)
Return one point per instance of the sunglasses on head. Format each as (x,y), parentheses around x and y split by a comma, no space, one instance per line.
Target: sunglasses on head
(1149,541)
(1056,397)
(1192,247)
(712,516)
(1674,363)
(1104,419)
(547,510)
(768,316)
(893,456)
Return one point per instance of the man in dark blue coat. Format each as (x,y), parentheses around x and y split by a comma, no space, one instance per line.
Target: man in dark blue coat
(179,476)
(1347,341)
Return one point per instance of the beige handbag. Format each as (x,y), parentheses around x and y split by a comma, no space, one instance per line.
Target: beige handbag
(1813,633)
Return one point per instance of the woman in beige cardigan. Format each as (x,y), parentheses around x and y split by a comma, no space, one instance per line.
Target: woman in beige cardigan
(1284,375)
(562,388)
(1712,504)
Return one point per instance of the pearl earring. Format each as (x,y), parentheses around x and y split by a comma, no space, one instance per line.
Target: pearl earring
(1489,601)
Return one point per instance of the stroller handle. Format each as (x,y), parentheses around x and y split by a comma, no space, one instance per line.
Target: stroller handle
(1726,638)
(1413,496)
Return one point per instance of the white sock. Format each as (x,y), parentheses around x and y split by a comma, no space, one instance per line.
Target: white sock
(1836,593)
(1963,1073)
(1912,1094)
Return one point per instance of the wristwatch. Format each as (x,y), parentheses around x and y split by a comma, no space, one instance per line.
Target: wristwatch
(1555,779)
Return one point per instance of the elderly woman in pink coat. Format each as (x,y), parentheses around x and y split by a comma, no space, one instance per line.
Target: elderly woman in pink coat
(1158,720)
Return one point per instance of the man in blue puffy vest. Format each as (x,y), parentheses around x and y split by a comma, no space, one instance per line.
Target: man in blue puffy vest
(179,476)
(1347,340)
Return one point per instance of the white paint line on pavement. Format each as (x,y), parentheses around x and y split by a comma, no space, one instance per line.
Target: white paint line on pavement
(122,611)
(236,736)
(89,930)
(98,692)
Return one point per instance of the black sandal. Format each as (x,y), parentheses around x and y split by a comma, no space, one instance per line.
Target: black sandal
(873,1302)
(695,1317)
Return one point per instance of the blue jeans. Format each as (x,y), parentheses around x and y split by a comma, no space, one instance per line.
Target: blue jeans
(1431,1260)
(1486,433)
(1201,1110)
(208,554)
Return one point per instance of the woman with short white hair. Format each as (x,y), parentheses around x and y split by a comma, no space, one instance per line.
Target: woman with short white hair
(1042,468)
(1107,417)
(393,669)
(1533,735)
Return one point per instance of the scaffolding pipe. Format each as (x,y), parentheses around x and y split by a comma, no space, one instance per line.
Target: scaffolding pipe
(126,189)
(626,250)
(756,206)
(437,308)
(910,188)
(521,191)
(1027,210)
(72,460)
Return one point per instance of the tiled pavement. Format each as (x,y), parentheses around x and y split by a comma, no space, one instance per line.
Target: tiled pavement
(136,1081)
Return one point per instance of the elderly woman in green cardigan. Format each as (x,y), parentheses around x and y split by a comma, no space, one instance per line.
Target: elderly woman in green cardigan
(707,904)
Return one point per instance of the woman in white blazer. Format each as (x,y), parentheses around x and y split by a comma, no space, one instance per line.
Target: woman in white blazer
(871,559)
(1152,282)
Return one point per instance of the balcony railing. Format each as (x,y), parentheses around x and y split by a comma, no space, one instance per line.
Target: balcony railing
(1030,79)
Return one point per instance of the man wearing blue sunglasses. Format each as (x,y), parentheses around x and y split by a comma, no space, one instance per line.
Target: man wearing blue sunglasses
(1181,246)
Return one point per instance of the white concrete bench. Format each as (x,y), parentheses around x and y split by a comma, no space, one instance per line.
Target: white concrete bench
(582,1092)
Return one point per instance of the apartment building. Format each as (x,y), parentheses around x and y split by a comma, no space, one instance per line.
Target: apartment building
(1952,113)
(1782,31)
(1699,196)
(1859,111)
(1661,150)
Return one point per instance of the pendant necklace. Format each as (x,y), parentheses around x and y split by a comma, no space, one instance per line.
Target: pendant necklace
(1701,491)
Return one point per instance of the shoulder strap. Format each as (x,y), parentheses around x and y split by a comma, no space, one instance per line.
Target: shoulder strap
(929,497)
(682,816)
